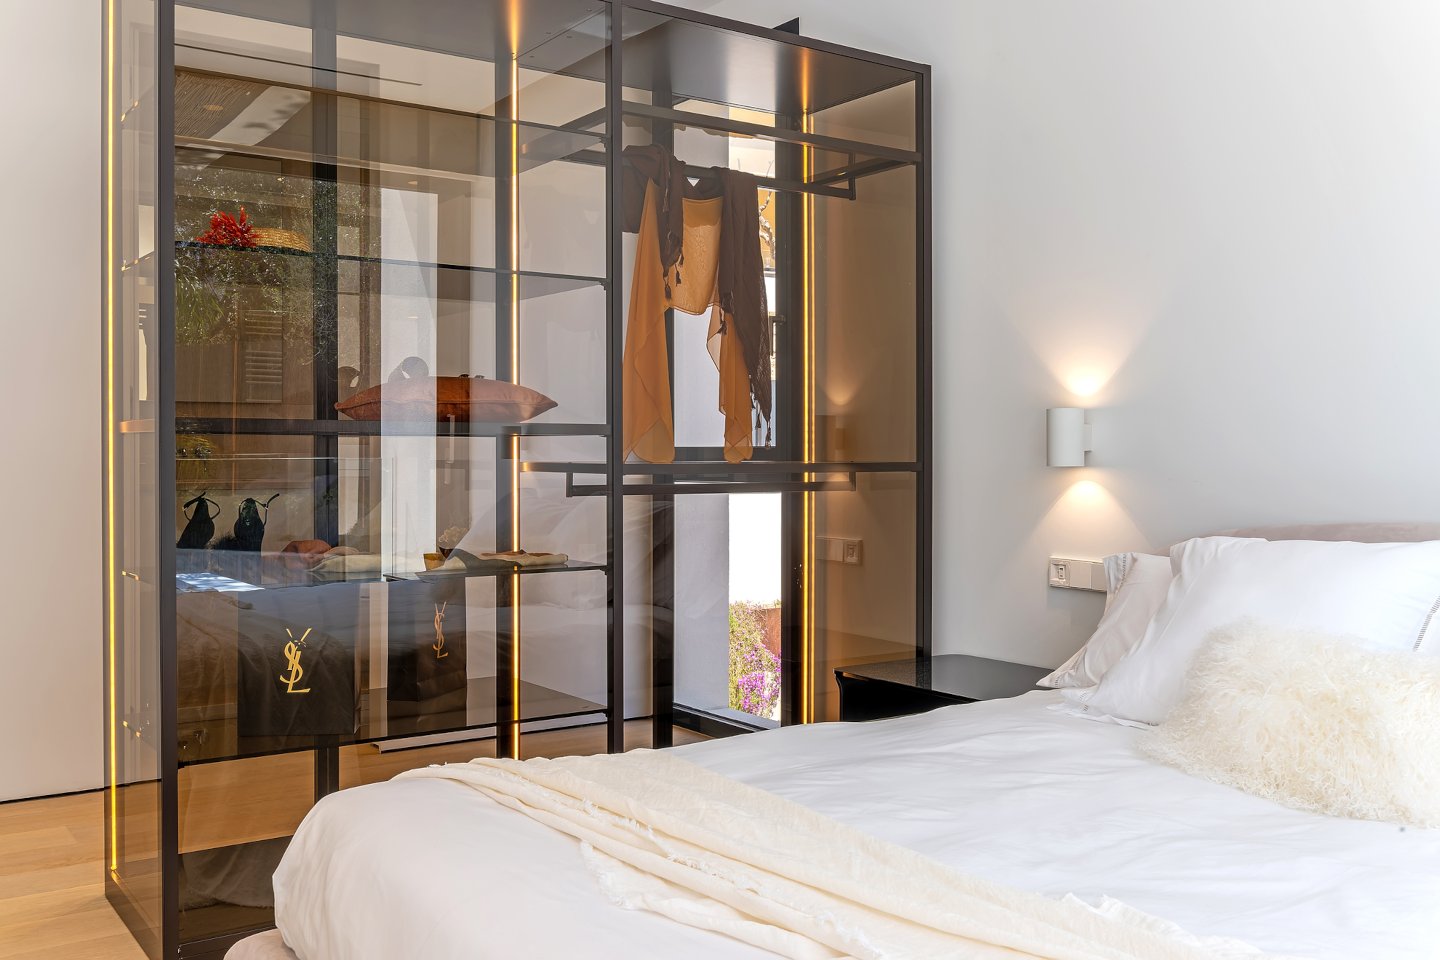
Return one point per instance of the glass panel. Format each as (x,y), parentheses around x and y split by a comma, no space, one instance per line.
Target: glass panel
(236,818)
(864,365)
(861,610)
(391,244)
(714,566)
(562,218)
(704,578)
(885,117)
(134,844)
(865,294)
(728,588)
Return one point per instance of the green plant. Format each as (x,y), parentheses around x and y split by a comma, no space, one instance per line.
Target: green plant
(215,286)
(754,670)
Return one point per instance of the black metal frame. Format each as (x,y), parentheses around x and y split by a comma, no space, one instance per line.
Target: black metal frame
(764,475)
(615,350)
(786,473)
(165,455)
(925,355)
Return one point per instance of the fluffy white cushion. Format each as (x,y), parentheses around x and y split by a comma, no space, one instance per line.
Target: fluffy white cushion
(1136,588)
(1312,721)
(1387,593)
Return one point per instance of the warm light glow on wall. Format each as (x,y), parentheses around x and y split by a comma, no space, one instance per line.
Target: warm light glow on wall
(1087,515)
(1084,385)
(1083,336)
(1085,492)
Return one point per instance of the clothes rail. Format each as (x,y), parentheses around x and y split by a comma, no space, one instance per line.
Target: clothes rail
(724,470)
(766,183)
(840,485)
(760,131)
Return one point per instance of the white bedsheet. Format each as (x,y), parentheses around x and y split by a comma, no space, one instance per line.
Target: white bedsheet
(1007,790)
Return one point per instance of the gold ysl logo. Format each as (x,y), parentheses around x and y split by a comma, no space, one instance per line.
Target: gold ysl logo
(439,645)
(292,657)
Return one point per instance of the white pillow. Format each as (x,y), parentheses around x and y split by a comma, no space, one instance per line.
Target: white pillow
(1385,592)
(1311,721)
(1137,584)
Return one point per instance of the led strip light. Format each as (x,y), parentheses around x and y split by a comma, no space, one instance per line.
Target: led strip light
(807,550)
(110,432)
(515,366)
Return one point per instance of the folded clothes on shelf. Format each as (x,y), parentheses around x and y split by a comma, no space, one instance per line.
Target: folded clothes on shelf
(501,560)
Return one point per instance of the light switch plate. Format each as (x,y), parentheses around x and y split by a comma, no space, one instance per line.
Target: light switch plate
(1069,574)
(840,549)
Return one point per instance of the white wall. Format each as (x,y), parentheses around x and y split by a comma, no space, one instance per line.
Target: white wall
(50,573)
(1216,223)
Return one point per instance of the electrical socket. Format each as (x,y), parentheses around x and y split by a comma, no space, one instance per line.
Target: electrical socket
(1059,573)
(1068,574)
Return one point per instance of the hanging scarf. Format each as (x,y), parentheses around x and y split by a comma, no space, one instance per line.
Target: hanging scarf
(742,268)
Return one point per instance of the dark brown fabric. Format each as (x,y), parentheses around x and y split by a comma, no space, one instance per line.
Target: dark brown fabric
(742,279)
(655,164)
(742,269)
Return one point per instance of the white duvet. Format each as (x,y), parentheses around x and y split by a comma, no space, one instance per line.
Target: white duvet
(1008,790)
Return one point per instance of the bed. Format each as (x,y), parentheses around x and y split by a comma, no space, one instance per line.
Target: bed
(1012,790)
(1025,792)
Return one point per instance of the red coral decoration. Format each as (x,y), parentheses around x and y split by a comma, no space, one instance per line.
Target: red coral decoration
(228,231)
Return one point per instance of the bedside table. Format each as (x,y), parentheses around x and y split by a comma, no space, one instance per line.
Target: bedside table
(895,688)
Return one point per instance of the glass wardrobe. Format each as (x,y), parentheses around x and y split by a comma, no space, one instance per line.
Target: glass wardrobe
(390,478)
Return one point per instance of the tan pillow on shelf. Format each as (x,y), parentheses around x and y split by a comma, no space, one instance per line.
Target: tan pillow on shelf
(1312,721)
(466,399)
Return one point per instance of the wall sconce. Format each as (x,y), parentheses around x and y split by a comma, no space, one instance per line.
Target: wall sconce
(1067,437)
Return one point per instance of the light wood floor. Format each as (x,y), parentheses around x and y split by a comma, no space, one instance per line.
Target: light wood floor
(52,901)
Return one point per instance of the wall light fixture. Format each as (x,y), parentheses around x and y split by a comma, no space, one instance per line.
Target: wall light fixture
(1067,436)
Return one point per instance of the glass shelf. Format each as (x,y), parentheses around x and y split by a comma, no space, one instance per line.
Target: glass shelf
(709,468)
(212,111)
(452,281)
(374,428)
(550,35)
(203,581)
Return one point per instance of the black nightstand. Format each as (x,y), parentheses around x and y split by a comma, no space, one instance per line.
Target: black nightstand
(895,688)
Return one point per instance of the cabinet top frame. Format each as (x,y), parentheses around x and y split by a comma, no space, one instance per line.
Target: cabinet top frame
(698,56)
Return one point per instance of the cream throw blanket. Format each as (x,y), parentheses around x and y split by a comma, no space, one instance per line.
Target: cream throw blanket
(668,836)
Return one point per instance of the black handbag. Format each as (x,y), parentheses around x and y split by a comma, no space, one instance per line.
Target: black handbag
(426,639)
(296,674)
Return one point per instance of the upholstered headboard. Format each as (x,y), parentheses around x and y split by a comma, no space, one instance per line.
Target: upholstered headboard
(1358,532)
